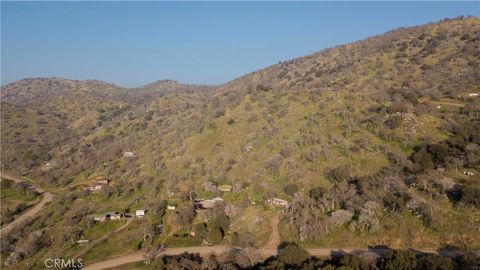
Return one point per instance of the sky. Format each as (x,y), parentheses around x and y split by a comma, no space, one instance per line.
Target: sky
(135,43)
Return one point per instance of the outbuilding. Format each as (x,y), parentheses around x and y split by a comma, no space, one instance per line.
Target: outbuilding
(140,213)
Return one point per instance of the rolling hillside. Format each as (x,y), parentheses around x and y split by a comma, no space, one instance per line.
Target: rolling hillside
(372,143)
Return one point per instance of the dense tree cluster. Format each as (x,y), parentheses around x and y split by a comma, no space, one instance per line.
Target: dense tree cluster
(292,256)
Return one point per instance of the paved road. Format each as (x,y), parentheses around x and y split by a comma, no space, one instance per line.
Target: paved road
(205,250)
(47,197)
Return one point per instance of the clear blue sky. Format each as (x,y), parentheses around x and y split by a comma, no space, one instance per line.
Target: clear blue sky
(132,44)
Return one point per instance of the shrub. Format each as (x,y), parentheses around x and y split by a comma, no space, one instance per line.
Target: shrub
(291,189)
(394,122)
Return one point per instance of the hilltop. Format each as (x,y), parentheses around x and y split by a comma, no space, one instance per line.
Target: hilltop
(371,143)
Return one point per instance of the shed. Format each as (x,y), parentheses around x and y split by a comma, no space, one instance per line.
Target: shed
(140,213)
(225,188)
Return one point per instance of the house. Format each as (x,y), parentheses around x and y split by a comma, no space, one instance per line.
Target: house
(83,241)
(279,202)
(217,199)
(171,207)
(140,213)
(206,204)
(129,154)
(225,188)
(113,216)
(102,182)
(95,188)
(468,173)
(473,94)
(98,218)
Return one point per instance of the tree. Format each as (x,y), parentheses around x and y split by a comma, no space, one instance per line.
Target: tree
(200,229)
(434,262)
(355,262)
(184,216)
(220,221)
(338,174)
(248,257)
(398,260)
(292,254)
(215,235)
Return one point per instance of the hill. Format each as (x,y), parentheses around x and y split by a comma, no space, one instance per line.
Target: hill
(371,143)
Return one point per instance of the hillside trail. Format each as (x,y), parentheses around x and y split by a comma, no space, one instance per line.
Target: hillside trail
(30,213)
(274,240)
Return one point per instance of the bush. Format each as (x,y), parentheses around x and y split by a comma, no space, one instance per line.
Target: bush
(317,192)
(338,174)
(470,195)
(291,189)
(394,122)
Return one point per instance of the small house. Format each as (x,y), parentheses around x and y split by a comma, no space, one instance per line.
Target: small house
(171,207)
(279,202)
(225,188)
(83,241)
(473,94)
(93,188)
(140,213)
(129,154)
(103,182)
(113,216)
(98,218)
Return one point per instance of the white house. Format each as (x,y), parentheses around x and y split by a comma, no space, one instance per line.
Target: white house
(225,188)
(280,202)
(473,94)
(140,213)
(113,215)
(98,218)
(129,154)
(83,241)
(171,207)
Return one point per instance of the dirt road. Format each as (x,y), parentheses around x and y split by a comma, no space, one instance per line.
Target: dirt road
(205,250)
(30,213)
(274,240)
(101,239)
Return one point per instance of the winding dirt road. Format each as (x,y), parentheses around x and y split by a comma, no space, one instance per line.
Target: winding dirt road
(267,252)
(30,213)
